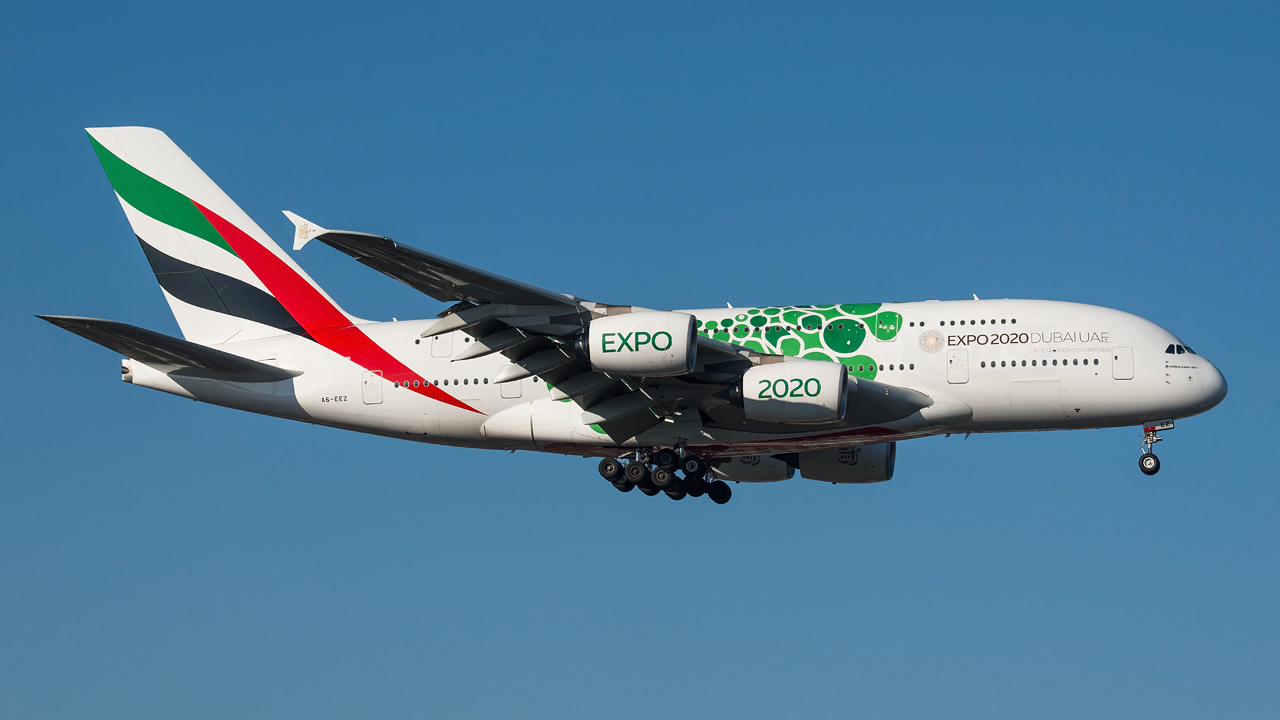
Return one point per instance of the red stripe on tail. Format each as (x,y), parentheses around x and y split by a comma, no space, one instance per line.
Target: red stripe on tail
(319,317)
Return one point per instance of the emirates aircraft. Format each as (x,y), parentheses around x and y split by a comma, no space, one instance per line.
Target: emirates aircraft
(672,401)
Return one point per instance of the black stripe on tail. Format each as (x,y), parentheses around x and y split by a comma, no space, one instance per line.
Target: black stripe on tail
(214,291)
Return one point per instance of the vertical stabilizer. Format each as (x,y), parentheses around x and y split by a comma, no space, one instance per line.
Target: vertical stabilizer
(224,278)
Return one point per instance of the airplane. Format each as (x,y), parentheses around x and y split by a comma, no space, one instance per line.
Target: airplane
(677,402)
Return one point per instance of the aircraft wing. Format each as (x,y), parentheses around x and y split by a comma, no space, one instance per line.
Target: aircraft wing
(539,331)
(439,277)
(164,352)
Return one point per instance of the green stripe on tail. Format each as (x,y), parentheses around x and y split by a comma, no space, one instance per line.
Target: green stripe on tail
(155,199)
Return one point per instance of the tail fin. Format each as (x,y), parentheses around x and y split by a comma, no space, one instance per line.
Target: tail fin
(224,278)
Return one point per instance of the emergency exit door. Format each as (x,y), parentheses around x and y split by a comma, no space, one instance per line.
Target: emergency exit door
(957,367)
(1122,363)
(372,386)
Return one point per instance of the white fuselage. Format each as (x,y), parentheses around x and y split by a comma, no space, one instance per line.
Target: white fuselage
(988,365)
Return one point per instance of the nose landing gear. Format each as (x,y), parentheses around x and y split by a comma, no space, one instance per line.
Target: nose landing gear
(656,472)
(1149,463)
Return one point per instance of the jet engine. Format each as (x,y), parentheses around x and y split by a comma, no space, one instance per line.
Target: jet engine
(752,468)
(645,344)
(862,464)
(799,392)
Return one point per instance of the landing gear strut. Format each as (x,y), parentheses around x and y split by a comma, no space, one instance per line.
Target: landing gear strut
(1149,463)
(665,470)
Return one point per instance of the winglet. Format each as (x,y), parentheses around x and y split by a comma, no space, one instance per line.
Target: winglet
(305,230)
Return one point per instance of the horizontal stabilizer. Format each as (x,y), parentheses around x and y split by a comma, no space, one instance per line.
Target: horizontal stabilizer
(163,351)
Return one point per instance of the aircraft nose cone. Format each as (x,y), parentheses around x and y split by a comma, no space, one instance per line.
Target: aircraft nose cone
(1213,384)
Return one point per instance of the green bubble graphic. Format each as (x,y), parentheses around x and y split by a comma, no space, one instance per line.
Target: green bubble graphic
(844,336)
(887,325)
(865,362)
(860,308)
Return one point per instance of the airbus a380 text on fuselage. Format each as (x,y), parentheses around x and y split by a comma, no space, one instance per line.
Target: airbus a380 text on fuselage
(674,401)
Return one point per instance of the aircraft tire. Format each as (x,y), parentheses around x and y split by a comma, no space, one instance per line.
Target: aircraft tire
(693,467)
(719,492)
(666,459)
(663,479)
(676,494)
(649,490)
(624,486)
(636,473)
(695,487)
(1149,464)
(611,469)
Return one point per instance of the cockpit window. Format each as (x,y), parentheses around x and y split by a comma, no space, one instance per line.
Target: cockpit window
(1189,350)
(1180,349)
(1168,350)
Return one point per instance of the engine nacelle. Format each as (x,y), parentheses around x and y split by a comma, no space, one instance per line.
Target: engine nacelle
(752,468)
(798,392)
(863,464)
(646,344)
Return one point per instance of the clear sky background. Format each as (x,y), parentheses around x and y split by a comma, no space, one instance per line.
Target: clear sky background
(161,559)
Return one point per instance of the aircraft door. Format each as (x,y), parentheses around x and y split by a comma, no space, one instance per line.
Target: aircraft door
(371,385)
(957,367)
(442,345)
(510,390)
(1122,363)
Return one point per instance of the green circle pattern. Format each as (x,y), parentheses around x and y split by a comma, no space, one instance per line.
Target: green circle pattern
(819,332)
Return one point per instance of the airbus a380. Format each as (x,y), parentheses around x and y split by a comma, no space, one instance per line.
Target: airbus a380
(672,401)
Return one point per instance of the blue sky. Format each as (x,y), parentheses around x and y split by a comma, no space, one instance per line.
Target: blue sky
(166,559)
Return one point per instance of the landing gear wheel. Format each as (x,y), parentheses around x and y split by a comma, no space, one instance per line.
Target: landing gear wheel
(649,490)
(1149,463)
(611,469)
(693,467)
(676,494)
(666,459)
(624,486)
(695,487)
(719,492)
(663,479)
(636,473)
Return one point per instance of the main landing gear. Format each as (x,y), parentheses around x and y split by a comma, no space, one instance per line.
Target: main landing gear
(1149,463)
(664,470)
